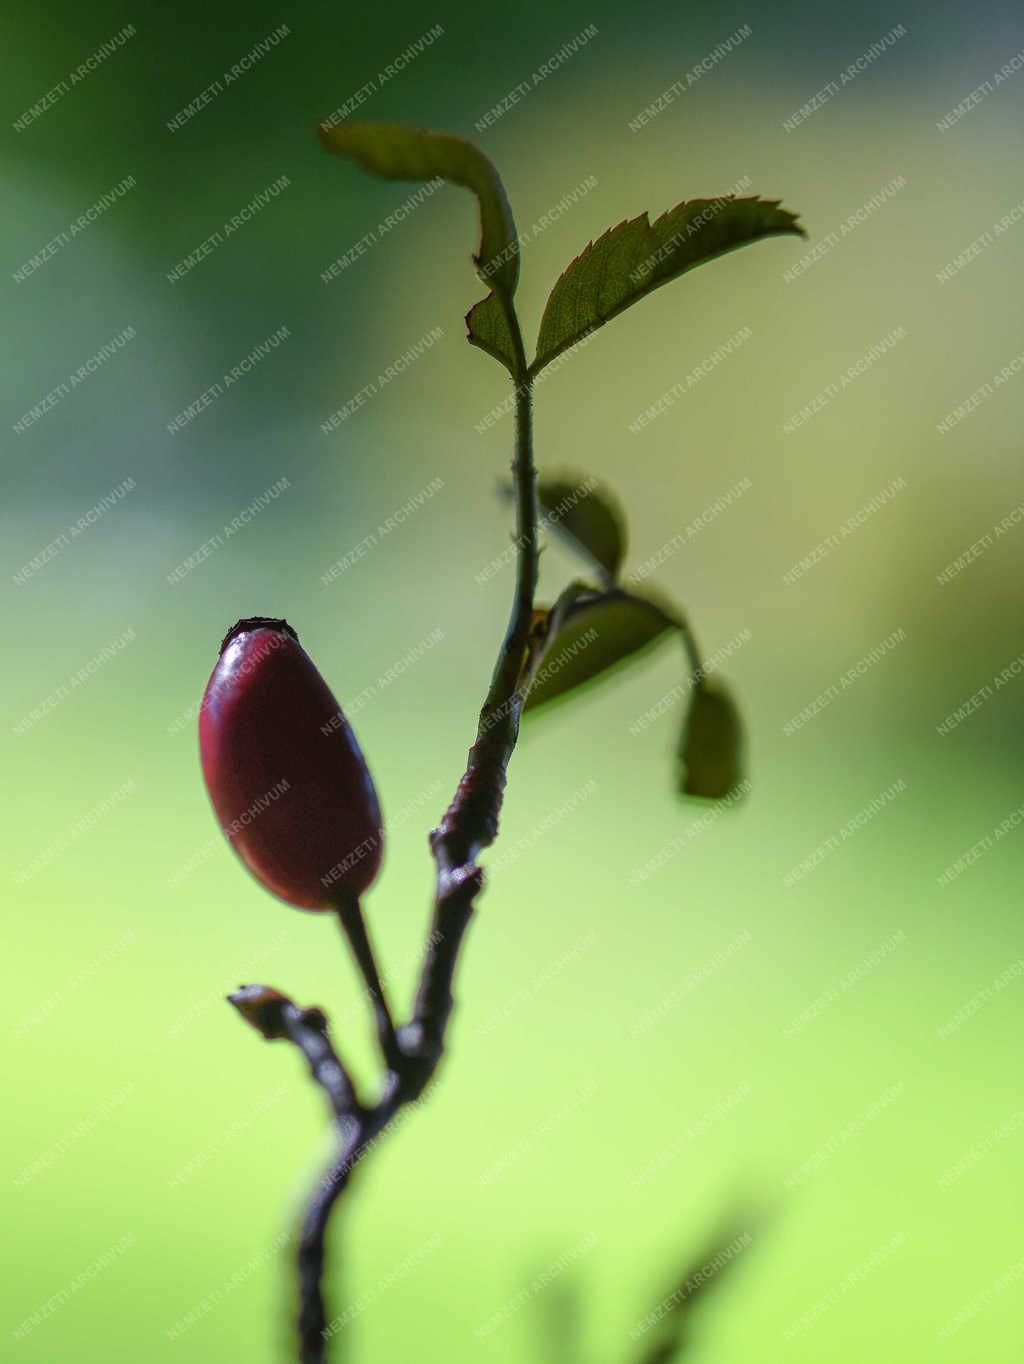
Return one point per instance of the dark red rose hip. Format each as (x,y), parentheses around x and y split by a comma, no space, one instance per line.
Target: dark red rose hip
(286,777)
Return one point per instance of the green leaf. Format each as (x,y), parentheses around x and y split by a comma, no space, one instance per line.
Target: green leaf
(487,327)
(638,256)
(591,632)
(399,153)
(591,520)
(711,749)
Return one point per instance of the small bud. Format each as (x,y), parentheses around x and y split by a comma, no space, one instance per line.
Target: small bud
(284,771)
(263,1007)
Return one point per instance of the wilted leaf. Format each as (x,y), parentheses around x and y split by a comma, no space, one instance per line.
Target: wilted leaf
(399,153)
(590,519)
(487,327)
(595,631)
(711,750)
(634,258)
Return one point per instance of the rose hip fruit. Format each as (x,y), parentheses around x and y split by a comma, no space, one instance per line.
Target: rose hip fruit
(286,777)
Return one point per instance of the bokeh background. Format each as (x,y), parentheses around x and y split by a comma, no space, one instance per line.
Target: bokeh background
(154,1150)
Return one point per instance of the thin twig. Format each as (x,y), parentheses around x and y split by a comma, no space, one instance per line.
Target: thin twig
(350,916)
(276,1016)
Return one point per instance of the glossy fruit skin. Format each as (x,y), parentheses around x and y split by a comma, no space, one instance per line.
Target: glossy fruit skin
(287,779)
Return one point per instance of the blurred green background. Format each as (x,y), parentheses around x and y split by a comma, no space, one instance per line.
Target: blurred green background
(153,1149)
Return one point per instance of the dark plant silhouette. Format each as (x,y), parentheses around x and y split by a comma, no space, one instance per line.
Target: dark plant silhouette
(547,653)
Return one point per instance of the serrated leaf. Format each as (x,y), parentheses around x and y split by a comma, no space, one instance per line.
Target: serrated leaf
(631,260)
(400,153)
(591,633)
(711,749)
(590,519)
(487,327)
